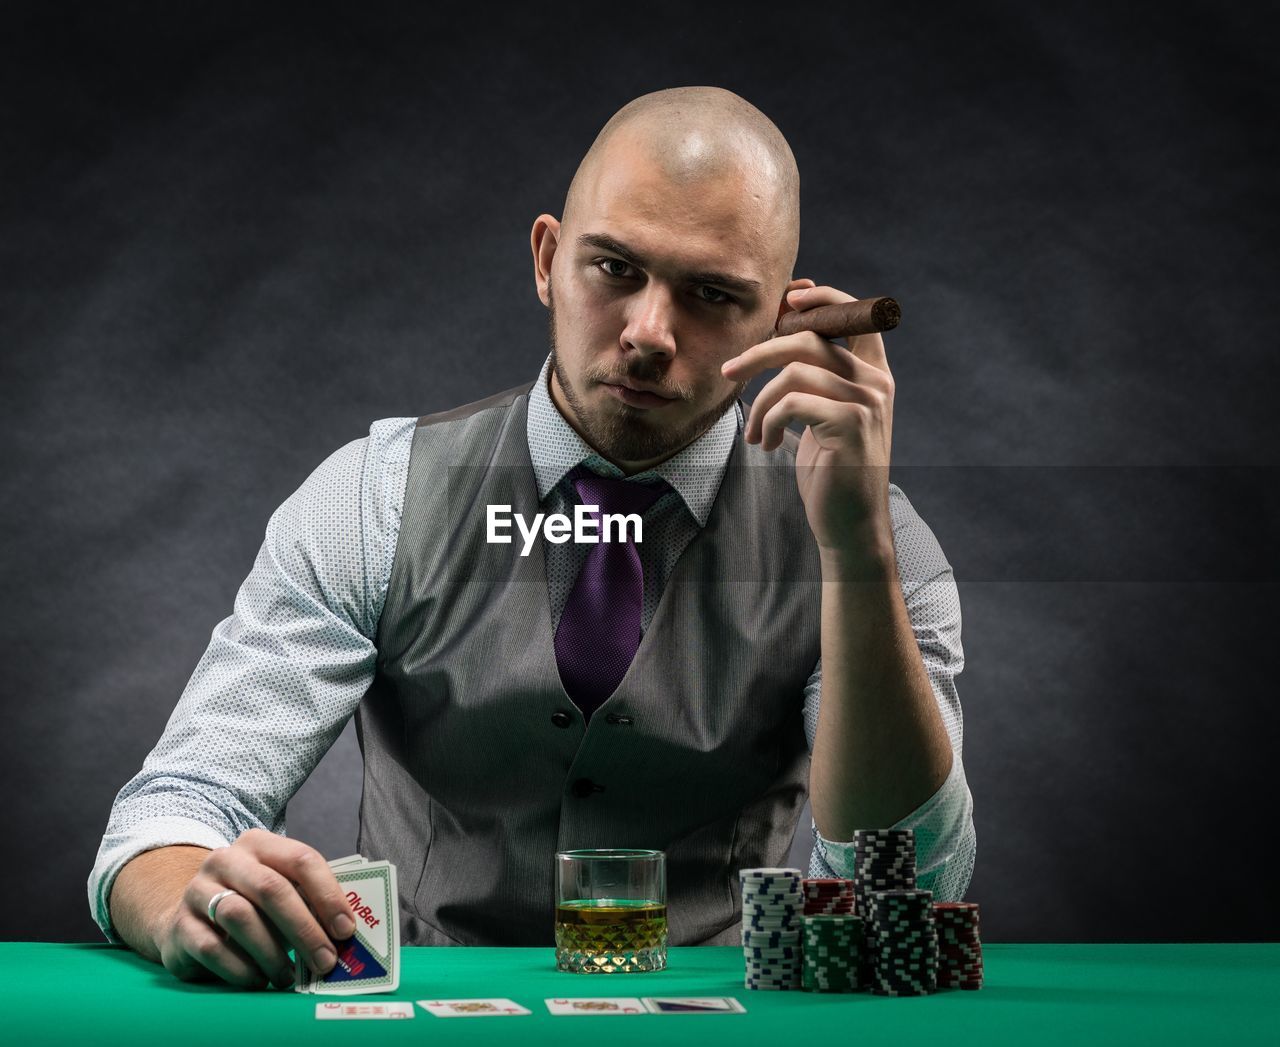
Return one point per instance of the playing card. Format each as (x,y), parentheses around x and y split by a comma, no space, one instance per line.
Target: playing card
(302,977)
(596,1005)
(369,961)
(351,859)
(693,1005)
(482,1008)
(357,1011)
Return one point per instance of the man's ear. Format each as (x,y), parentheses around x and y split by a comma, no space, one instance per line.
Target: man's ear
(544,239)
(784,306)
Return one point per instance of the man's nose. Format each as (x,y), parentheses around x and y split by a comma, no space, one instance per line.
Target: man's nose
(650,325)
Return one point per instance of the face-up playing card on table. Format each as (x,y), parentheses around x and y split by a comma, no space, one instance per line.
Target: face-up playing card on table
(361,1011)
(587,1005)
(369,961)
(485,1007)
(693,1005)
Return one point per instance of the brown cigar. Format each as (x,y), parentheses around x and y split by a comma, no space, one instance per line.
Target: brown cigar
(848,318)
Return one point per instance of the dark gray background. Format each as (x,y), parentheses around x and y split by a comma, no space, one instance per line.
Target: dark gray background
(231,236)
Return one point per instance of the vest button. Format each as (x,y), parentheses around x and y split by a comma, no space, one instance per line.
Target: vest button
(561,718)
(584,787)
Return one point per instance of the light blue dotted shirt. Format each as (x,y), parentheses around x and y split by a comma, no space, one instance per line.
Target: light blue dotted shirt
(286,670)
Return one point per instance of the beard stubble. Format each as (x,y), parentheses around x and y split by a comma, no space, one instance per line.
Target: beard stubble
(623,433)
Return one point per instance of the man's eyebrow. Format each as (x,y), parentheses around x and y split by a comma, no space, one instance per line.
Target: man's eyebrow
(702,276)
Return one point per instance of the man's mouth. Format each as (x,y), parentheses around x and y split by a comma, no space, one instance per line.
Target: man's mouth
(633,393)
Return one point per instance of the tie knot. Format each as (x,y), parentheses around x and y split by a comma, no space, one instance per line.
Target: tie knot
(614,494)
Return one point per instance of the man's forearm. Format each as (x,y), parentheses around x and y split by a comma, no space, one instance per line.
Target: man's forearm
(147,890)
(881,748)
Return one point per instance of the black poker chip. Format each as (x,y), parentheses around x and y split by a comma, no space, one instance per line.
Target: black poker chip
(903,942)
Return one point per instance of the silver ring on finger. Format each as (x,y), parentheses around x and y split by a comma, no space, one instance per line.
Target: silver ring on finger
(212,909)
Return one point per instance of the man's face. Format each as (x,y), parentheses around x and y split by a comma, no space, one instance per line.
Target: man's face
(655,286)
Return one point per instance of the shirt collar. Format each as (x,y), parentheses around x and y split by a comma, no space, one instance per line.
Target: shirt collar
(695,472)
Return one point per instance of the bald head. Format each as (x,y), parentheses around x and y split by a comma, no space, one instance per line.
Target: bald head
(693,135)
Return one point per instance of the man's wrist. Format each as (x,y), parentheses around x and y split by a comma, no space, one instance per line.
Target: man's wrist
(871,560)
(148,892)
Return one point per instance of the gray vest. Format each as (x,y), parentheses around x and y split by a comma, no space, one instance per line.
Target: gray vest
(470,787)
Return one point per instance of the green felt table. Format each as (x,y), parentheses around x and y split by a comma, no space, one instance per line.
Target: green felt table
(1034,995)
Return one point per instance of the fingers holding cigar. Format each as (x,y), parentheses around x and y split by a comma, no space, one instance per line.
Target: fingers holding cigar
(815,368)
(828,313)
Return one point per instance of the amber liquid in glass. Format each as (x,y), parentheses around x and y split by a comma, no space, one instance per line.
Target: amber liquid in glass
(611,935)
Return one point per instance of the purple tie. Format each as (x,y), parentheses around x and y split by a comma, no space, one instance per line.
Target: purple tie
(599,629)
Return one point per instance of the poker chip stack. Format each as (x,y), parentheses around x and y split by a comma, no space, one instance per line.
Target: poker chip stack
(959,947)
(772,907)
(903,941)
(828,897)
(832,951)
(883,860)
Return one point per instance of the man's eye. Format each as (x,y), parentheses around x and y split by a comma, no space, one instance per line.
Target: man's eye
(715,291)
(606,264)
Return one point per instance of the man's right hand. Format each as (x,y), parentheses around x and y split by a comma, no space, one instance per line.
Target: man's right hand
(286,897)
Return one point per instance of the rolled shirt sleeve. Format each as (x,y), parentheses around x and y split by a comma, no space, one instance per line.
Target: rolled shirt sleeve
(946,844)
(282,674)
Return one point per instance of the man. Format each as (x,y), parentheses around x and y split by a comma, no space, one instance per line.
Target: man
(787,621)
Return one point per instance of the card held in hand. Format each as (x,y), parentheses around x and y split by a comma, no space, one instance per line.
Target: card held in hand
(368,961)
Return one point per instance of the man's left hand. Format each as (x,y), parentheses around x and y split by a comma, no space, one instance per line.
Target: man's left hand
(845,397)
